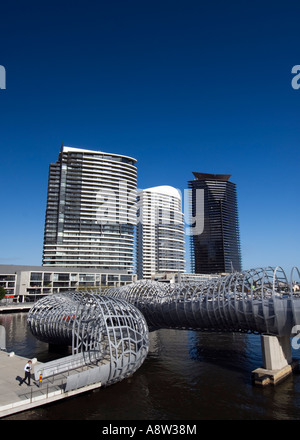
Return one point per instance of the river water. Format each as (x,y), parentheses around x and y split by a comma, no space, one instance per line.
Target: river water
(187,375)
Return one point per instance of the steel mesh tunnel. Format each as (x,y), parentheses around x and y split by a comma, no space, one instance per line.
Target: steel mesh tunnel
(258,300)
(106,331)
(111,331)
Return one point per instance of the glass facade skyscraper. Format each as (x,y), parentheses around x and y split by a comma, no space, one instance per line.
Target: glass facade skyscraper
(91,210)
(214,237)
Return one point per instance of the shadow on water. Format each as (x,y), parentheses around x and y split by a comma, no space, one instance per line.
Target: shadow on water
(237,352)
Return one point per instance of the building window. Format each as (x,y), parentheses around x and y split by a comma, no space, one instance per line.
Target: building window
(36,276)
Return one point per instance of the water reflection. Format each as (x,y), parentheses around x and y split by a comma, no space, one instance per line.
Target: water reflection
(20,340)
(187,375)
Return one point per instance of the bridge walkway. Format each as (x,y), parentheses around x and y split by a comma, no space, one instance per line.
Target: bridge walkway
(16,398)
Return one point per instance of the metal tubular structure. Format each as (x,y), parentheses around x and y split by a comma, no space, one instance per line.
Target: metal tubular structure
(111,331)
(256,300)
(106,331)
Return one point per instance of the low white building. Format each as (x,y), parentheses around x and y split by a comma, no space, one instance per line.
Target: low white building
(28,282)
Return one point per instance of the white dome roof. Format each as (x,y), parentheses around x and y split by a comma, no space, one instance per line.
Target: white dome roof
(165,190)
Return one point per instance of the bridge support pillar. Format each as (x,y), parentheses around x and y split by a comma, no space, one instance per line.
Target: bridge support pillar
(277,360)
(276,351)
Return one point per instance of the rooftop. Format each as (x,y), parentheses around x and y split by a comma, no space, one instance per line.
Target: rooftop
(165,190)
(206,176)
(11,268)
(66,149)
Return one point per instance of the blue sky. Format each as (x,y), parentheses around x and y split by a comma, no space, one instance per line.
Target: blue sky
(182,86)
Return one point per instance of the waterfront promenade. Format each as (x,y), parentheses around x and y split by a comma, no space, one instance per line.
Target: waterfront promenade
(15,398)
(16,307)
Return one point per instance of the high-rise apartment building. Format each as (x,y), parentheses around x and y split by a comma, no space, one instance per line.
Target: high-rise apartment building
(91,210)
(214,238)
(160,232)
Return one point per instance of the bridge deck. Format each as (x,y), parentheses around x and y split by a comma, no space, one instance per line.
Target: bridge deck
(15,398)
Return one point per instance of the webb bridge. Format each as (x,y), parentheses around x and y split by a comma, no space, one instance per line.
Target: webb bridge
(110,333)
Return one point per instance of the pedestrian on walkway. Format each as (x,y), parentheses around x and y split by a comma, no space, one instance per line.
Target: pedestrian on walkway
(27,370)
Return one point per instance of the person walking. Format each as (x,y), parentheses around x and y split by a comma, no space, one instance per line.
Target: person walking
(27,370)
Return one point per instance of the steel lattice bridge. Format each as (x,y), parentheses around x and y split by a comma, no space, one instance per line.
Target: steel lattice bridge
(110,332)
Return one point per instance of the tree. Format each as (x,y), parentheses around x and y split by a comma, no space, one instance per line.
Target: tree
(2,292)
